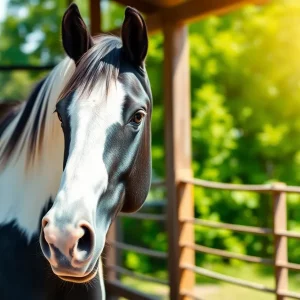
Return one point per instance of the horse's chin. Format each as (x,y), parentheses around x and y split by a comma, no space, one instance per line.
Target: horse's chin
(83,279)
(80,279)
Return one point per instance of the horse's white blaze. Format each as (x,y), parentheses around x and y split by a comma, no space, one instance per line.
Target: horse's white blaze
(85,177)
(24,191)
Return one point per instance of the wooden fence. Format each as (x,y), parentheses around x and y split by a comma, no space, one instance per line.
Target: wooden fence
(188,248)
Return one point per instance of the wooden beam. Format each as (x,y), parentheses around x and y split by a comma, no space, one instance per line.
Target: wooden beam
(95,17)
(192,11)
(177,117)
(165,3)
(140,5)
(154,24)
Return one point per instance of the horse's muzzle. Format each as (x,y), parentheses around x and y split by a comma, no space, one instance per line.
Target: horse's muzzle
(68,248)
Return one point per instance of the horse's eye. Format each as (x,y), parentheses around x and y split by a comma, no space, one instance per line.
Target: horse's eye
(138,117)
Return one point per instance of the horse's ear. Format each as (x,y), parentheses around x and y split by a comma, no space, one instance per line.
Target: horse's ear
(75,35)
(134,36)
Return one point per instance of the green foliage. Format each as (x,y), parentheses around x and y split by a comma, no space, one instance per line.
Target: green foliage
(245,76)
(245,90)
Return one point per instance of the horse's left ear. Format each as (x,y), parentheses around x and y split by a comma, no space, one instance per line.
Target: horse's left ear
(75,35)
(134,36)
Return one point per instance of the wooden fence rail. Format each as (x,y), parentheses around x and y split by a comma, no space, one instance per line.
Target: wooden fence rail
(238,228)
(278,231)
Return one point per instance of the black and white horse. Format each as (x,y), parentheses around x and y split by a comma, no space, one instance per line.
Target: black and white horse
(71,157)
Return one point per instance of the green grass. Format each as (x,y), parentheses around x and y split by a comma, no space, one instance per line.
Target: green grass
(210,289)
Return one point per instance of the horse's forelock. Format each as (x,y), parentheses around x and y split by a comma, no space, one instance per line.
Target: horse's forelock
(99,65)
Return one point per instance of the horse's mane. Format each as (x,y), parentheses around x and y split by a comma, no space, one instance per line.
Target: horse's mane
(99,65)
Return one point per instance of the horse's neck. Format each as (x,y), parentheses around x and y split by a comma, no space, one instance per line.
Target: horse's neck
(31,176)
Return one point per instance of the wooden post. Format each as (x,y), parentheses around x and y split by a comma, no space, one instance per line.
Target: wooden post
(178,157)
(118,237)
(110,253)
(280,242)
(95,17)
(110,259)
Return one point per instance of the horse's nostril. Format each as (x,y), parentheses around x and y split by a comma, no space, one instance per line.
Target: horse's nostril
(45,222)
(71,242)
(85,244)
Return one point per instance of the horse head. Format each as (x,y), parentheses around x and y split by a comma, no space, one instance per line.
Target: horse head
(105,114)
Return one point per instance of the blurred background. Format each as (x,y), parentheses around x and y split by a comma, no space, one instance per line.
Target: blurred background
(245,93)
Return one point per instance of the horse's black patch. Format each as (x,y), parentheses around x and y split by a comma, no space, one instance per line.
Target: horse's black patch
(22,267)
(128,149)
(62,109)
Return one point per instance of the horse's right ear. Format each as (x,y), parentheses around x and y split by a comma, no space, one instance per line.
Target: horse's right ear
(134,36)
(76,38)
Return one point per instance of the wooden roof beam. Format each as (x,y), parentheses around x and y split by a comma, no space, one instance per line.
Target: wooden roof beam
(165,3)
(154,24)
(95,16)
(195,10)
(191,11)
(140,5)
